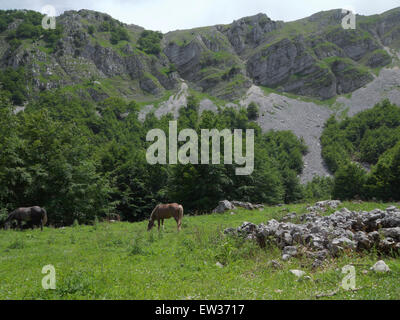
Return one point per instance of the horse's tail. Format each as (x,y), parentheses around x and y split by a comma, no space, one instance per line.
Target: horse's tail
(180,217)
(44,216)
(43,219)
(180,208)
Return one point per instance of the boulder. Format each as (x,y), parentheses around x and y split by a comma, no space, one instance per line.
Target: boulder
(244,205)
(380,266)
(393,233)
(362,240)
(298,273)
(290,251)
(286,257)
(223,206)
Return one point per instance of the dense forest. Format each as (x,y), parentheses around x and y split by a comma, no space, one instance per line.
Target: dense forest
(369,140)
(81,160)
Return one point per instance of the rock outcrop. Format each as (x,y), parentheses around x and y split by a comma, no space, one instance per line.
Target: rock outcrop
(313,57)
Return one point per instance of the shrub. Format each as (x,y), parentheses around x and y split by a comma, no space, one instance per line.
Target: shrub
(234,70)
(150,42)
(253,111)
(3,25)
(91,30)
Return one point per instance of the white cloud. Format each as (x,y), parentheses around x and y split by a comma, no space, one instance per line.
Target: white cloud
(167,15)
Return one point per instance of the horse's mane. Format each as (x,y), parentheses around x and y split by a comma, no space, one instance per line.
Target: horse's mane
(154,210)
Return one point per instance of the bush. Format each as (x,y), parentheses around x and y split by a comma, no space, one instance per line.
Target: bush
(3,25)
(105,26)
(119,34)
(26,30)
(253,111)
(91,30)
(150,42)
(234,70)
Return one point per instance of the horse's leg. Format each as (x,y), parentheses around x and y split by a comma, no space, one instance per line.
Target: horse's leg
(178,223)
(158,220)
(162,222)
(180,217)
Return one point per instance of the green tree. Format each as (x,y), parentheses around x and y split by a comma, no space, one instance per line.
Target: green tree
(349,182)
(384,181)
(253,111)
(320,188)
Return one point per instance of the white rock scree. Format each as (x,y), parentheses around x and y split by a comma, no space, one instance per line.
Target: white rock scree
(321,236)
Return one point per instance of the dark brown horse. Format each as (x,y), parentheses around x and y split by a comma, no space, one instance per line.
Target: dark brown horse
(166,211)
(33,216)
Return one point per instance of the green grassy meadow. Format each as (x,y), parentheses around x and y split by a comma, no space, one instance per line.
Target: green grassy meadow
(123,261)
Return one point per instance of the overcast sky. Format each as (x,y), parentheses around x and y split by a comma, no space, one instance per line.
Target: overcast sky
(168,15)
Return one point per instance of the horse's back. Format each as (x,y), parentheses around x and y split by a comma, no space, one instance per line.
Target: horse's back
(165,211)
(28,213)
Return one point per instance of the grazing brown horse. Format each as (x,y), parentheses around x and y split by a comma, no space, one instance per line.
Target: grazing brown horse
(33,216)
(166,211)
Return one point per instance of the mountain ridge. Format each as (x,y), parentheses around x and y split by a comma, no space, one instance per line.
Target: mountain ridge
(298,73)
(311,57)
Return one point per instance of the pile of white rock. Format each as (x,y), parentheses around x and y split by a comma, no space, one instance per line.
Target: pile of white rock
(322,236)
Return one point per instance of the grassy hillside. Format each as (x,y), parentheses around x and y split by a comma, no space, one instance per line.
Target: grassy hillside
(123,261)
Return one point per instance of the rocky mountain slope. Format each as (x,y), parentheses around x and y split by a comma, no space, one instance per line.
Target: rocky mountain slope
(298,72)
(313,57)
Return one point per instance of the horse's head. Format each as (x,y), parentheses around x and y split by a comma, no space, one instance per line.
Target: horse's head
(150,225)
(6,223)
